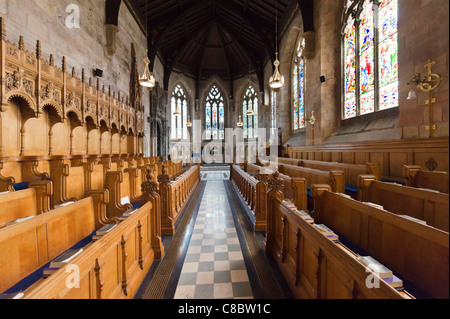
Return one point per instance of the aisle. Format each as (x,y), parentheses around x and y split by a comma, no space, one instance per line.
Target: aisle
(214,266)
(214,253)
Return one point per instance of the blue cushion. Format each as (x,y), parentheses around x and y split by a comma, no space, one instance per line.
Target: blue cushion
(308,192)
(21,186)
(351,189)
(136,205)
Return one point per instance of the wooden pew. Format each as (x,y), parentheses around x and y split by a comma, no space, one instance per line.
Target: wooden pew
(429,206)
(295,187)
(174,196)
(28,246)
(351,171)
(29,202)
(112,267)
(253,193)
(418,178)
(417,253)
(335,179)
(315,267)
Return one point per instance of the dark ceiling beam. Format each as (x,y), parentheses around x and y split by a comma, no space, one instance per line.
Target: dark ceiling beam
(307,11)
(112,8)
(256,64)
(174,59)
(227,61)
(154,45)
(137,14)
(200,67)
(230,7)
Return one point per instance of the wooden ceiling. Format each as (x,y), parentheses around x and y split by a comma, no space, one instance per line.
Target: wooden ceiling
(204,37)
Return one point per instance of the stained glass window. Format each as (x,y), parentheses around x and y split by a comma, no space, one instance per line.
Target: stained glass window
(179,109)
(370,67)
(298,89)
(388,52)
(273,103)
(250,120)
(215,115)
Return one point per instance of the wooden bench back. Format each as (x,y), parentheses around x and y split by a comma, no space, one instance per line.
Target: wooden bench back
(27,246)
(351,171)
(418,178)
(314,266)
(429,206)
(417,253)
(111,268)
(15,205)
(335,179)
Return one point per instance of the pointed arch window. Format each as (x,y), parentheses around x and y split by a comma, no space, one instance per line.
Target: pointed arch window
(250,113)
(370,57)
(179,108)
(215,115)
(298,89)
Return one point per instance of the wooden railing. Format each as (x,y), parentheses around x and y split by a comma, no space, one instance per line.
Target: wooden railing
(174,195)
(253,193)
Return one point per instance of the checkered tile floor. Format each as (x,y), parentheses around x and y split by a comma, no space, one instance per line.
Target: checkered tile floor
(214,267)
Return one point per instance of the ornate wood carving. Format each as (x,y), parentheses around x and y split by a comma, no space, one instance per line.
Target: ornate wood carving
(123,247)
(99,283)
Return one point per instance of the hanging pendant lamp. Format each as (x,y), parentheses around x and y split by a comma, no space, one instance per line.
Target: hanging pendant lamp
(277,80)
(147,79)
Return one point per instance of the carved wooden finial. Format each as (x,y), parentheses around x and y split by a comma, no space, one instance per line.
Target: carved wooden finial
(90,81)
(2,29)
(83,75)
(51,60)
(103,90)
(21,43)
(73,72)
(64,64)
(38,49)
(98,84)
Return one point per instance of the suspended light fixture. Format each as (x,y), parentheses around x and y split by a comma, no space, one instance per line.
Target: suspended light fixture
(189,123)
(240,123)
(250,111)
(277,80)
(147,79)
(177,112)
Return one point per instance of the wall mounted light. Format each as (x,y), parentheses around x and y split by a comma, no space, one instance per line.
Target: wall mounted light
(427,83)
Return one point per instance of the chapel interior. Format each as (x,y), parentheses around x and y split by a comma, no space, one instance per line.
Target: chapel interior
(224,149)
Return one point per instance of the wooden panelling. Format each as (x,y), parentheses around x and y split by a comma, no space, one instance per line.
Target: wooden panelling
(390,155)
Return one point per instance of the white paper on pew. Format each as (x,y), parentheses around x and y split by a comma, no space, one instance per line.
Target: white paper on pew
(125,200)
(4,193)
(64,204)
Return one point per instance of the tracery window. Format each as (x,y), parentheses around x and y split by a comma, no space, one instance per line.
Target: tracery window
(370,57)
(298,89)
(250,113)
(179,113)
(215,115)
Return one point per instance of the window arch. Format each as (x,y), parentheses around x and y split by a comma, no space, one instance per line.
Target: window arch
(215,115)
(179,108)
(250,113)
(298,89)
(370,57)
